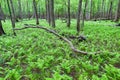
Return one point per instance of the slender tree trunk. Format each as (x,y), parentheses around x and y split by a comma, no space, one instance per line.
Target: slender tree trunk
(39,11)
(117,16)
(52,13)
(20,9)
(78,16)
(84,13)
(1,29)
(98,10)
(91,4)
(12,16)
(46,7)
(28,10)
(68,21)
(35,11)
(48,14)
(103,8)
(110,10)
(13,11)
(1,15)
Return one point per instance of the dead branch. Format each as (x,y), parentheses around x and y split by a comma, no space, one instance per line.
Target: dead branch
(58,35)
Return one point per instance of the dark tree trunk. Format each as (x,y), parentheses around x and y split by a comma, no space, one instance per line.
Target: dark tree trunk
(1,29)
(48,17)
(28,10)
(98,10)
(78,16)
(35,11)
(117,16)
(12,15)
(52,13)
(1,18)
(13,11)
(91,8)
(20,10)
(110,10)
(46,9)
(68,21)
(39,11)
(103,8)
(84,13)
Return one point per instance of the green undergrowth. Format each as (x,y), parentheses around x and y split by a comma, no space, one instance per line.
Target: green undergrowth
(35,54)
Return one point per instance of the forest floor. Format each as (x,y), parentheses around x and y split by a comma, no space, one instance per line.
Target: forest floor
(35,54)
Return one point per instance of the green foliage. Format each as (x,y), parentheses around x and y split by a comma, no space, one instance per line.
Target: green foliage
(37,55)
(60,6)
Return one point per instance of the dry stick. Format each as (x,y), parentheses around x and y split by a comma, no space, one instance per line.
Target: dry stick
(58,35)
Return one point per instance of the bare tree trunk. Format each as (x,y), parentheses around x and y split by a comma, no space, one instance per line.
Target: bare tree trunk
(28,10)
(20,10)
(12,15)
(91,4)
(13,11)
(78,16)
(84,13)
(1,29)
(110,10)
(103,8)
(52,13)
(98,10)
(35,11)
(68,22)
(117,16)
(39,11)
(46,9)
(48,17)
(1,15)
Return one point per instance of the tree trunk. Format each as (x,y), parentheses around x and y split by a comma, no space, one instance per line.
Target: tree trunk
(48,17)
(68,22)
(13,11)
(103,8)
(12,16)
(52,13)
(78,16)
(1,29)
(39,11)
(35,11)
(91,8)
(110,10)
(28,10)
(20,10)
(84,13)
(117,16)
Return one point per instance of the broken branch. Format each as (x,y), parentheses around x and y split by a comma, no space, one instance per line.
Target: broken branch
(56,34)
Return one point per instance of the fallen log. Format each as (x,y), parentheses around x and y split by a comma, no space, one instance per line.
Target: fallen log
(58,35)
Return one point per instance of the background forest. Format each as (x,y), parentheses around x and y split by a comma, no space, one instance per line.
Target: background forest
(59,40)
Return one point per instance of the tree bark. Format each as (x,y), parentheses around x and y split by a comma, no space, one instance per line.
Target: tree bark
(20,9)
(117,16)
(110,10)
(35,11)
(1,29)
(103,8)
(84,13)
(39,11)
(91,8)
(48,17)
(52,13)
(12,15)
(69,20)
(78,16)
(28,10)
